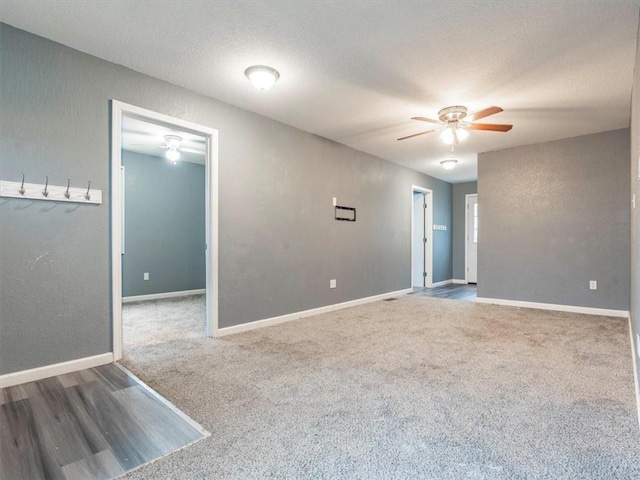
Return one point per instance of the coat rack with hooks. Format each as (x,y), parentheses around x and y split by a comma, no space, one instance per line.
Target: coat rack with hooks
(45,191)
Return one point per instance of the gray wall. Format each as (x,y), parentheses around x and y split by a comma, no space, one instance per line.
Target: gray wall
(554,216)
(164,225)
(458,242)
(278,239)
(635,213)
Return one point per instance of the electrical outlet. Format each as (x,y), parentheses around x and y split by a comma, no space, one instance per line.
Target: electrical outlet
(593,284)
(146,275)
(335,201)
(332,283)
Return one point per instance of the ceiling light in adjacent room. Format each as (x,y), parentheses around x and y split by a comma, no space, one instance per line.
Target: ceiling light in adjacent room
(262,77)
(449,163)
(172,154)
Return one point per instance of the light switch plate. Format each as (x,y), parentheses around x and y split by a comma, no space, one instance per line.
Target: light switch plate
(332,283)
(593,284)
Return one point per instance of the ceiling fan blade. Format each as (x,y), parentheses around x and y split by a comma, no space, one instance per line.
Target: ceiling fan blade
(491,127)
(483,113)
(416,134)
(423,119)
(191,150)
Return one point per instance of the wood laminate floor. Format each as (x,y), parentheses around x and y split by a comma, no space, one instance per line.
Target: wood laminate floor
(453,291)
(93,424)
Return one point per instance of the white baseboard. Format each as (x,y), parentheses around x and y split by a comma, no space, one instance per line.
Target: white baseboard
(552,306)
(636,367)
(459,282)
(442,283)
(306,313)
(160,296)
(25,376)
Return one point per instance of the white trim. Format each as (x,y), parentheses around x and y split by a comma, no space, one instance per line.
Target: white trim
(160,296)
(634,362)
(459,282)
(442,283)
(552,306)
(118,109)
(307,313)
(428,229)
(466,237)
(25,376)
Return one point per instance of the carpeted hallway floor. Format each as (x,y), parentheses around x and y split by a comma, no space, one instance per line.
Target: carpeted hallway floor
(413,388)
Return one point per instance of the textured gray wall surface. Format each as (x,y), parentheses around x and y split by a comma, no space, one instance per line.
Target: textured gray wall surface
(554,216)
(279,244)
(635,213)
(164,225)
(458,242)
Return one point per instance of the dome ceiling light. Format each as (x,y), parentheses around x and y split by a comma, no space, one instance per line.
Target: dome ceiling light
(262,77)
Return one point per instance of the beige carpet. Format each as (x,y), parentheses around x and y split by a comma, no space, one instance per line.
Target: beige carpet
(413,388)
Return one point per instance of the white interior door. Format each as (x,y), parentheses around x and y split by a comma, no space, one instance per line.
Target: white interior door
(472,239)
(417,242)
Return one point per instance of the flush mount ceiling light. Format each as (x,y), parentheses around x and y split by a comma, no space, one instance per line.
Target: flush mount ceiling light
(173,144)
(262,77)
(449,163)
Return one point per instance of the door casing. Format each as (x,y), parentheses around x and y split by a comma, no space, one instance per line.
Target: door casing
(118,110)
(428,230)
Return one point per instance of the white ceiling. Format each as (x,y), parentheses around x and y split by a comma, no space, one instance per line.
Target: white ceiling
(148,138)
(355,72)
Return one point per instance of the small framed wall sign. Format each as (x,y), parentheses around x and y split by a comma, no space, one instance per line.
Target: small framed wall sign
(347,214)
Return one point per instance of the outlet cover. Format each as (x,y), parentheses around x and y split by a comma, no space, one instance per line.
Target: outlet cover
(146,275)
(332,283)
(593,284)
(335,201)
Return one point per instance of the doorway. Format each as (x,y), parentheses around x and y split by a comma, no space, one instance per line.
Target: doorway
(421,237)
(159,148)
(471,238)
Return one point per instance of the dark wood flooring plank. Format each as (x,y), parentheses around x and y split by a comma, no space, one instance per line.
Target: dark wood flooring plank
(167,430)
(57,426)
(467,292)
(101,466)
(93,424)
(77,378)
(113,377)
(126,437)
(20,449)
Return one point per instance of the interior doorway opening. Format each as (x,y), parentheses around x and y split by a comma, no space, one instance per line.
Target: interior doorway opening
(164,228)
(421,237)
(471,238)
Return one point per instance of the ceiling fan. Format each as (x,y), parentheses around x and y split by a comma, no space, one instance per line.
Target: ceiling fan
(454,123)
(173,147)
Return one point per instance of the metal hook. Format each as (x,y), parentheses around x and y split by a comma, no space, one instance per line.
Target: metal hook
(86,195)
(22,190)
(45,192)
(67,194)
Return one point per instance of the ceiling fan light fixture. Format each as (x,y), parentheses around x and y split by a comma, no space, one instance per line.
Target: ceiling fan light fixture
(449,163)
(262,77)
(453,134)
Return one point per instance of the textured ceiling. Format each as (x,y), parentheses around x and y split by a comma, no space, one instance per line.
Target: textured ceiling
(355,72)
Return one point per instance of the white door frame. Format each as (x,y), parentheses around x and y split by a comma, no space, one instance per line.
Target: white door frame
(428,229)
(467,197)
(118,109)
